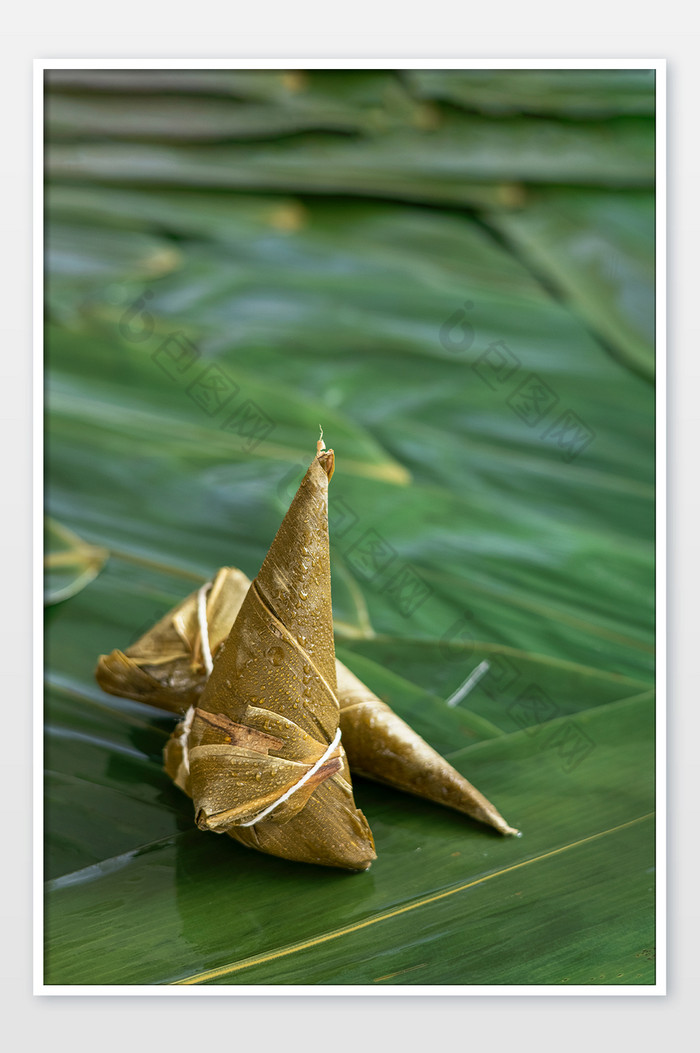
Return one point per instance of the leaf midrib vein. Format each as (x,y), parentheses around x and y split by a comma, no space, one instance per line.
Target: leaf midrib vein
(247,963)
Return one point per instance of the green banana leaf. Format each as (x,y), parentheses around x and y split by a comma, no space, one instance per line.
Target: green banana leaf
(488,397)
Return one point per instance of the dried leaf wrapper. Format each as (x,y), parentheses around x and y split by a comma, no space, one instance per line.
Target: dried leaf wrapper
(260,753)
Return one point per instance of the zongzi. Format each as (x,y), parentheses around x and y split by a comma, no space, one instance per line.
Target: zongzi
(260,752)
(168,667)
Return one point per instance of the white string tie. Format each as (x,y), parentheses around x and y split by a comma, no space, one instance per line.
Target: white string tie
(208,665)
(189,715)
(186,729)
(297,785)
(204,627)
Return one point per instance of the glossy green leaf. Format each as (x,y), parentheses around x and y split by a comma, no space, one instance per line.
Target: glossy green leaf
(177,886)
(458,429)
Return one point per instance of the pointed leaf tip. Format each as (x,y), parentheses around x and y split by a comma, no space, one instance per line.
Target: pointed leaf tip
(327,461)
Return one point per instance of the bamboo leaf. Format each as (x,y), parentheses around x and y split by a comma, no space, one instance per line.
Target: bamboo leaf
(148,105)
(465,161)
(564,92)
(484,381)
(600,253)
(187,909)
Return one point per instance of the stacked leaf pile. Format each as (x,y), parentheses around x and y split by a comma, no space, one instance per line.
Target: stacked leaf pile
(452,272)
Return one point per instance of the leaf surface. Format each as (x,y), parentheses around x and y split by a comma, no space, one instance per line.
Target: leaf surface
(343,257)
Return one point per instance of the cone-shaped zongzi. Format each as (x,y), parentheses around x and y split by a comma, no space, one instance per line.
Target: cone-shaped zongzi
(260,753)
(383,747)
(167,668)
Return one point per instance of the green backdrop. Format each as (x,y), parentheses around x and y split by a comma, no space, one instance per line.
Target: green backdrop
(453,273)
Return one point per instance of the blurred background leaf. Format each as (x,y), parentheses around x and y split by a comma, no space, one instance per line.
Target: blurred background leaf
(560,92)
(594,250)
(70,563)
(452,272)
